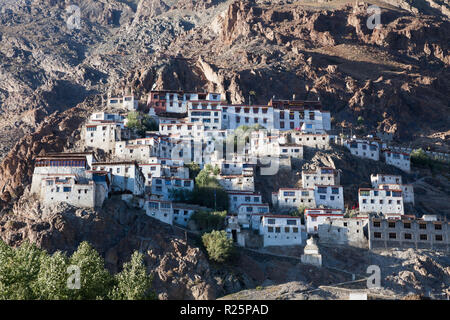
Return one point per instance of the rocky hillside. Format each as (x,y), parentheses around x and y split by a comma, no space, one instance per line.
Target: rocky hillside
(396,77)
(52,77)
(404,273)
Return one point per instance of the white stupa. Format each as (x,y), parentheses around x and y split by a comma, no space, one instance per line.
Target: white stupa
(311,253)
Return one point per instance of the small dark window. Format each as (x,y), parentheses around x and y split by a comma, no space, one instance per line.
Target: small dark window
(377,235)
(392,235)
(437,227)
(391,224)
(407,225)
(438,237)
(376,224)
(408,236)
(422,226)
(423,237)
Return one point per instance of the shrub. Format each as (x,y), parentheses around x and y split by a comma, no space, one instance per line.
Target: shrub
(208,221)
(218,246)
(141,123)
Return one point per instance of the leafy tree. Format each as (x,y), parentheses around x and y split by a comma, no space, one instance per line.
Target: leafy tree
(6,270)
(134,121)
(133,282)
(205,177)
(299,212)
(218,246)
(420,158)
(95,279)
(251,96)
(24,267)
(194,169)
(149,124)
(140,123)
(209,220)
(51,283)
(28,272)
(360,120)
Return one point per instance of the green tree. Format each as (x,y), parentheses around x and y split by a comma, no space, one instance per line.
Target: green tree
(360,120)
(218,246)
(134,121)
(133,282)
(209,220)
(149,124)
(194,169)
(25,266)
(299,212)
(205,177)
(95,279)
(141,123)
(51,283)
(420,158)
(6,271)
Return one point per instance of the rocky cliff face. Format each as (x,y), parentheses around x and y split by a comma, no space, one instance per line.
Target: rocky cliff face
(396,77)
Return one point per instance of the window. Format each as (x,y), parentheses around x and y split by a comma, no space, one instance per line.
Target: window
(153,205)
(286,229)
(423,237)
(407,225)
(376,224)
(291,222)
(277,229)
(422,226)
(437,227)
(270,221)
(407,236)
(321,190)
(438,237)
(165,205)
(392,235)
(391,224)
(377,235)
(364,193)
